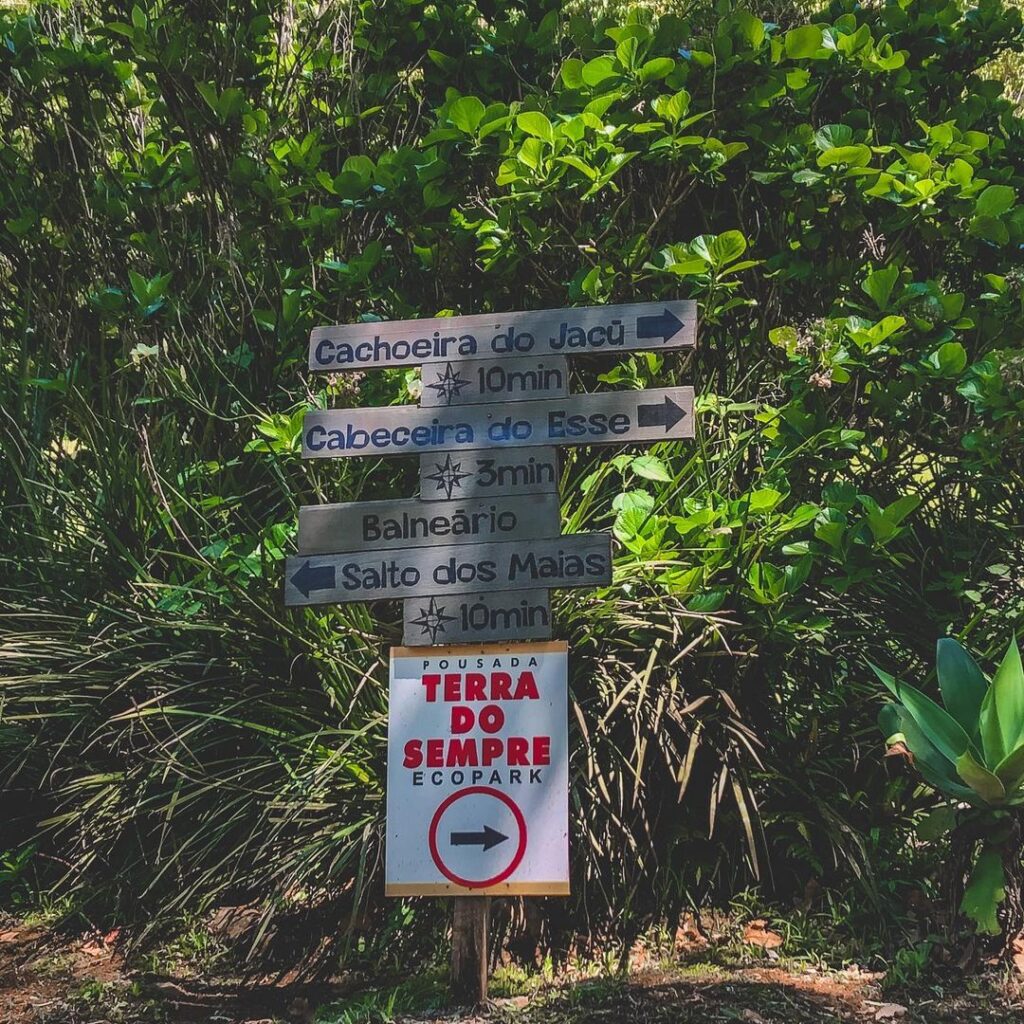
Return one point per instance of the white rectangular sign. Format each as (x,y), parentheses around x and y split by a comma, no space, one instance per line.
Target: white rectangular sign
(478,771)
(536,332)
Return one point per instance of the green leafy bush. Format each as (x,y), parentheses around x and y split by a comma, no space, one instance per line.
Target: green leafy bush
(185,193)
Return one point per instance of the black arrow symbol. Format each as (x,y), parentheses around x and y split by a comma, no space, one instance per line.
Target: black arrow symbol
(663,325)
(313,577)
(487,838)
(667,413)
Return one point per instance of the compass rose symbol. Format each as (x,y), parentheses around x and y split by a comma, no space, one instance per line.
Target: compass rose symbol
(449,476)
(449,384)
(432,620)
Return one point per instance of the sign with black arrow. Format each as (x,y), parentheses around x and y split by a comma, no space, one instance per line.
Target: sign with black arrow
(478,771)
(487,838)
(576,560)
(668,324)
(618,417)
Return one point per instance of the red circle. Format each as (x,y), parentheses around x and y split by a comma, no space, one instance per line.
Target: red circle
(435,821)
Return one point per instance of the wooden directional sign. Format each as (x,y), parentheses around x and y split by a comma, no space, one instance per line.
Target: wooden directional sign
(473,618)
(538,332)
(475,381)
(375,525)
(618,417)
(478,771)
(577,560)
(484,474)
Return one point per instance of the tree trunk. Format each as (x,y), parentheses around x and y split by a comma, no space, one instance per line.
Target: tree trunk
(1011,913)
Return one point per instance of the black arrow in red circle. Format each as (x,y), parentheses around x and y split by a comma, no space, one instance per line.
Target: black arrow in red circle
(487,838)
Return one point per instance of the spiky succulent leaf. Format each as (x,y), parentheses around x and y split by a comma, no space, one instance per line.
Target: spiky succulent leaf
(889,723)
(985,891)
(1008,695)
(991,733)
(1010,772)
(942,729)
(980,779)
(936,769)
(961,682)
(889,681)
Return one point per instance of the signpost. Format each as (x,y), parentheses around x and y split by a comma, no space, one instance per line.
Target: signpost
(477,797)
(618,417)
(478,770)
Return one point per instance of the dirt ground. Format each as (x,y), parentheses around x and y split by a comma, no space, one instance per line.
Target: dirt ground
(49,980)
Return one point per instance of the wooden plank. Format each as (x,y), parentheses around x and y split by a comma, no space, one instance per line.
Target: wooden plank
(471,921)
(616,417)
(630,327)
(486,474)
(478,381)
(475,650)
(501,889)
(381,525)
(472,618)
(576,560)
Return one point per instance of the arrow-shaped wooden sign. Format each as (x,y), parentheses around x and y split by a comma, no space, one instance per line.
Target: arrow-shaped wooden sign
(620,417)
(539,332)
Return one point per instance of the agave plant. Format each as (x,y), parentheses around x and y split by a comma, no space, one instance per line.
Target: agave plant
(973,751)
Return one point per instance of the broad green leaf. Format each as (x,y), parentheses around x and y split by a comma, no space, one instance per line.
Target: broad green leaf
(581,166)
(879,284)
(466,113)
(855,156)
(727,248)
(949,359)
(980,779)
(656,69)
(995,200)
(650,467)
(829,136)
(941,728)
(595,71)
(888,680)
(962,685)
(1008,694)
(533,122)
(990,228)
(803,42)
(673,108)
(985,891)
(572,73)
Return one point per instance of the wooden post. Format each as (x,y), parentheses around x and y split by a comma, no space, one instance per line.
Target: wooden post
(470,925)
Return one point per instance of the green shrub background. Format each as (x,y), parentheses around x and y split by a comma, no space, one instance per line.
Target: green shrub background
(186,190)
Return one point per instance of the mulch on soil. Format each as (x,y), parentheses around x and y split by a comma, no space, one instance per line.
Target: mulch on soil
(47,979)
